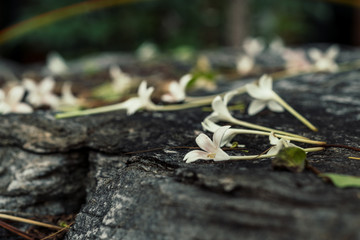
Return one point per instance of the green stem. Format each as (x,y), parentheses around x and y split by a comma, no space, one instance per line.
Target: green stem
(258,127)
(254,157)
(293,112)
(114,107)
(245,131)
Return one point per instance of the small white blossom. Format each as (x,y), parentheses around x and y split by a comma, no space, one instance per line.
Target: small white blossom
(325,61)
(56,64)
(143,99)
(245,64)
(12,101)
(41,94)
(211,149)
(121,81)
(177,90)
(264,96)
(253,46)
(278,144)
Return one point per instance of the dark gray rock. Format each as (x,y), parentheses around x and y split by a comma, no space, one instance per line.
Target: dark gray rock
(133,184)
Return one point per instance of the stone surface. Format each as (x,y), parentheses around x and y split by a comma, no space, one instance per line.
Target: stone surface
(127,171)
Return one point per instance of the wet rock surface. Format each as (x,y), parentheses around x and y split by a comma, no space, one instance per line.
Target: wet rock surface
(126,175)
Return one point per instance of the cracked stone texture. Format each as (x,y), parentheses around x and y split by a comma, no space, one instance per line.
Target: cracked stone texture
(51,166)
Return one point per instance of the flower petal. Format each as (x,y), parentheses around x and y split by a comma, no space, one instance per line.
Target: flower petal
(132,105)
(245,64)
(219,134)
(22,108)
(273,150)
(256,106)
(209,125)
(195,155)
(184,80)
(274,106)
(273,140)
(315,54)
(221,155)
(220,108)
(176,91)
(205,143)
(265,82)
(4,108)
(46,85)
(332,52)
(29,84)
(228,96)
(168,98)
(15,95)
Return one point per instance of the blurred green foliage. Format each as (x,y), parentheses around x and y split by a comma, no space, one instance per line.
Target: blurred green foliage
(173,25)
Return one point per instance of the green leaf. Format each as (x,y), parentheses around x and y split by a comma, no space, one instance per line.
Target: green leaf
(341,180)
(291,158)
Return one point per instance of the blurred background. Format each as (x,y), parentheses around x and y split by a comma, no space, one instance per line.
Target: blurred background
(175,25)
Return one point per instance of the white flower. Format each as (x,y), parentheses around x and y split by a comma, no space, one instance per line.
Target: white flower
(121,81)
(325,61)
(220,110)
(147,51)
(41,94)
(279,143)
(67,98)
(253,46)
(245,64)
(177,90)
(295,60)
(211,149)
(56,64)
(264,96)
(210,126)
(143,99)
(12,101)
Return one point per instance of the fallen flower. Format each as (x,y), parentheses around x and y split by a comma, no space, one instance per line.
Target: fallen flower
(211,149)
(177,90)
(325,61)
(41,94)
(143,99)
(264,96)
(131,105)
(12,101)
(278,144)
(221,113)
